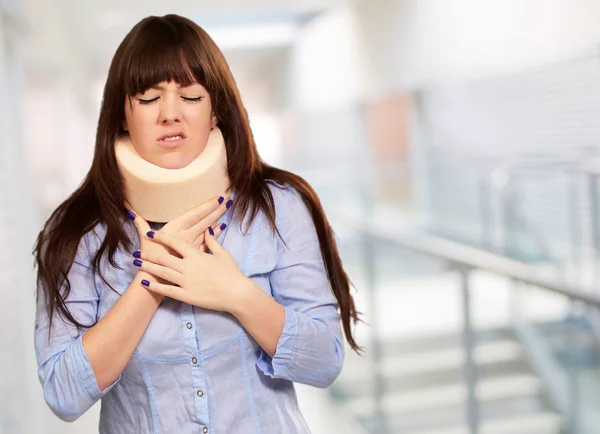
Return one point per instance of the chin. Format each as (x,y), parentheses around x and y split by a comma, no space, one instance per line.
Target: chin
(173,162)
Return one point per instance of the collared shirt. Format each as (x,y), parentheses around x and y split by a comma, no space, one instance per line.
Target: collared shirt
(196,370)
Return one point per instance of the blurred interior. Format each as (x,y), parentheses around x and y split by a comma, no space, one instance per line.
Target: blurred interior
(455,145)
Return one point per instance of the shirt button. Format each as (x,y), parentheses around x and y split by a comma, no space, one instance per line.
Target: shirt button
(194,360)
(205,430)
(200,394)
(189,325)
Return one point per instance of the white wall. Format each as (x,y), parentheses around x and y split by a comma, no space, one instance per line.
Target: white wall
(327,70)
(414,42)
(19,387)
(470,37)
(59,140)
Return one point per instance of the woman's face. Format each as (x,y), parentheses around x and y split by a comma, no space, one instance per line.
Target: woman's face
(168,124)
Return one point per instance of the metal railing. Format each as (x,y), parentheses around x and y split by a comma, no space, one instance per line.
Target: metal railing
(465,259)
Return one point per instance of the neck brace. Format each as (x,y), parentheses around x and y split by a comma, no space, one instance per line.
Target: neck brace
(160,195)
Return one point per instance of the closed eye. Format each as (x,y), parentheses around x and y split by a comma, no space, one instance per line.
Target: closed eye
(198,98)
(147,101)
(193,99)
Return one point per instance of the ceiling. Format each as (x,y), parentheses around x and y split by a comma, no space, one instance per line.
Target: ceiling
(67,35)
(74,40)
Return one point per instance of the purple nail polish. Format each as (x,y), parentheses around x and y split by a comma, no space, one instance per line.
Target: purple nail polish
(223,226)
(145,282)
(137,254)
(150,234)
(221,199)
(131,215)
(137,263)
(210,230)
(228,204)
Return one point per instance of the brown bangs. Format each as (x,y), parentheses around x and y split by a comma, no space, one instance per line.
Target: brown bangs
(156,55)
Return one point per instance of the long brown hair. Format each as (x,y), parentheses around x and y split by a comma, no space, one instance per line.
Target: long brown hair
(163,49)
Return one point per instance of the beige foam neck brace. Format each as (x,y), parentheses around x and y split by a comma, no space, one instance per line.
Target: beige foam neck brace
(160,195)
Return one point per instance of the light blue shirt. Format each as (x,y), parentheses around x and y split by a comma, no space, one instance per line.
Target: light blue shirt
(196,370)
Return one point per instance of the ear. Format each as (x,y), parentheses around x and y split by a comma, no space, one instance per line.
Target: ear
(124,125)
(213,122)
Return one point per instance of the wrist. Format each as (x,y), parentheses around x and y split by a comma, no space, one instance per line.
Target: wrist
(245,292)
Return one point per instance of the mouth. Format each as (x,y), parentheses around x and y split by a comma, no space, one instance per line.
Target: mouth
(171,140)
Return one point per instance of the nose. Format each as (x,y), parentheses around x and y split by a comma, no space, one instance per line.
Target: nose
(169,111)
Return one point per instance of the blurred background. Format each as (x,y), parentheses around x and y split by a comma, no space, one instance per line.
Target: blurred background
(455,145)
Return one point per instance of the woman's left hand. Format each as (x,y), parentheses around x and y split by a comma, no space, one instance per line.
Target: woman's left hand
(211,281)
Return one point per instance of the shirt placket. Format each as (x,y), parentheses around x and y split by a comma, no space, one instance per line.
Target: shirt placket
(191,344)
(199,391)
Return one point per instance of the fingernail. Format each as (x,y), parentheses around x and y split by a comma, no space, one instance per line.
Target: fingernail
(131,215)
(145,282)
(228,204)
(150,234)
(210,230)
(221,199)
(137,263)
(137,254)
(223,226)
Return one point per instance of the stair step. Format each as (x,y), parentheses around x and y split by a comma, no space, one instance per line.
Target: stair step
(436,368)
(429,342)
(494,413)
(546,423)
(485,353)
(427,400)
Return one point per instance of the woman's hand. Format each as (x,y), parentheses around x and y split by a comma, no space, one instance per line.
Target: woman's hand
(189,227)
(211,281)
(146,243)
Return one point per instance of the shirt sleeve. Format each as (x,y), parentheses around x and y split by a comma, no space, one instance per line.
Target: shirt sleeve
(68,381)
(310,349)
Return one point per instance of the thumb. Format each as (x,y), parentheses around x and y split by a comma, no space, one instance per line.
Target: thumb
(212,243)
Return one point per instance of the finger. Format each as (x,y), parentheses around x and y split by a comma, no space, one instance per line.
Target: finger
(212,244)
(141,225)
(171,291)
(160,258)
(179,246)
(218,229)
(198,214)
(213,217)
(160,271)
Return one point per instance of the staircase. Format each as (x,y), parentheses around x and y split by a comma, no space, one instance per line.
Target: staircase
(424,391)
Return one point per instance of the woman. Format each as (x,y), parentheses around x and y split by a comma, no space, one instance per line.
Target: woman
(187,335)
